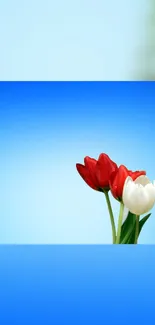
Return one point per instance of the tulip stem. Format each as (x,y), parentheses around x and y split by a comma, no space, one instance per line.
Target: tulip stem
(111,216)
(137,230)
(120,219)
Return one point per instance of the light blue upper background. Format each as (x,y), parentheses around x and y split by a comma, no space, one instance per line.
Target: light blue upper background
(72,40)
(45,129)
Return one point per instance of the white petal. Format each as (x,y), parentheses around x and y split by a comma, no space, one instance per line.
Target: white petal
(128,179)
(143,180)
(137,197)
(136,200)
(128,187)
(150,188)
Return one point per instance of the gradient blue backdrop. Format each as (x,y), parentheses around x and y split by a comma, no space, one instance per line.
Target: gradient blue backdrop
(77,285)
(45,128)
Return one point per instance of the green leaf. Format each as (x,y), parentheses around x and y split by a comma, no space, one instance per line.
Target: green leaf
(128,235)
(131,238)
(141,224)
(142,221)
(127,228)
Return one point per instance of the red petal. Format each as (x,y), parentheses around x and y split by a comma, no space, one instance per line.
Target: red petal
(84,173)
(136,174)
(90,164)
(117,181)
(104,168)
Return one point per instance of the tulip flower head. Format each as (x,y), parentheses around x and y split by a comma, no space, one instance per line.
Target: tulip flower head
(133,190)
(139,195)
(96,173)
(118,179)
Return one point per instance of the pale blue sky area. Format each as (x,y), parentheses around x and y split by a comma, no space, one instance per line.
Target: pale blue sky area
(70,40)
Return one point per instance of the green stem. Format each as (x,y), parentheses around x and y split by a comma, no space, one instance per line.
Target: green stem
(137,230)
(111,216)
(120,219)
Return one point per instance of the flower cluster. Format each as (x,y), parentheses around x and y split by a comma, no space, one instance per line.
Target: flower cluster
(132,189)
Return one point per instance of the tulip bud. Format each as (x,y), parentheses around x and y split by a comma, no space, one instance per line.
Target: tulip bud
(139,195)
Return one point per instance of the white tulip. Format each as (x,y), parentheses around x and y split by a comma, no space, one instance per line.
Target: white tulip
(139,195)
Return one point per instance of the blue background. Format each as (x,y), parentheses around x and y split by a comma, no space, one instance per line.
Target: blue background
(45,128)
(77,285)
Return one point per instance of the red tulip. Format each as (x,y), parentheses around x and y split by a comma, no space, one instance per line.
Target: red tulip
(118,178)
(96,173)
(136,174)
